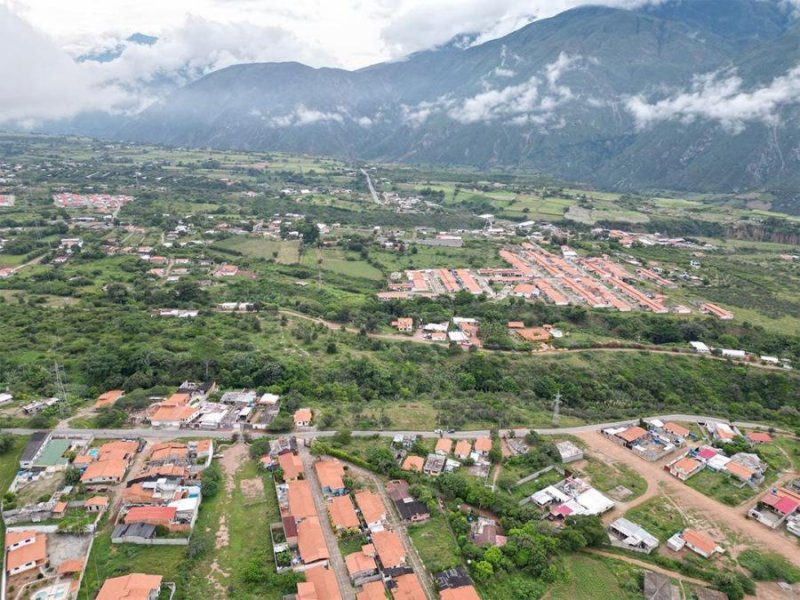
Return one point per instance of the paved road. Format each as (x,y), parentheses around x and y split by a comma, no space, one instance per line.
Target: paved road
(336,561)
(372,191)
(396,525)
(169,434)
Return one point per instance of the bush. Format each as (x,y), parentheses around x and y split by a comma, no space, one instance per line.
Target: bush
(769,567)
(212,479)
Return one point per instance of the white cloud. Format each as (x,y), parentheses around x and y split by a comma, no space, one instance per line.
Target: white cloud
(304,116)
(720,98)
(40,81)
(532,101)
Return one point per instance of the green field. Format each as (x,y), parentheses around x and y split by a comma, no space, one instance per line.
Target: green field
(605,477)
(343,263)
(9,464)
(721,487)
(591,578)
(658,516)
(286,252)
(435,544)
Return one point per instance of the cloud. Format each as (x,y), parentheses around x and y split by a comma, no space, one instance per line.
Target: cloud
(42,82)
(304,116)
(721,98)
(532,101)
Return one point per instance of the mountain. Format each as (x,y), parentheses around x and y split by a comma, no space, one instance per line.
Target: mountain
(656,98)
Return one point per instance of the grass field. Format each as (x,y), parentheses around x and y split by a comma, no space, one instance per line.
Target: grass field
(342,262)
(720,487)
(659,517)
(435,544)
(286,252)
(605,477)
(9,463)
(591,578)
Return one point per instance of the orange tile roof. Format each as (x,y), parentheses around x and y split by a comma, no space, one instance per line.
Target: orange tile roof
(371,506)
(97,501)
(739,471)
(330,473)
(687,465)
(291,465)
(310,541)
(137,494)
(324,582)
(14,537)
(343,514)
(169,451)
(534,334)
(302,415)
(111,469)
(168,470)
(466,592)
(118,447)
(177,399)
(358,562)
(301,503)
(699,540)
(70,566)
(83,459)
(136,586)
(483,444)
(389,548)
(60,507)
(676,429)
(444,445)
(373,590)
(35,552)
(408,588)
(108,399)
(516,324)
(463,448)
(203,446)
(153,515)
(632,434)
(760,437)
(167,412)
(413,463)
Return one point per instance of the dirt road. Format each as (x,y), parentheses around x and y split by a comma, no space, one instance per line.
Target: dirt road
(689,499)
(648,566)
(336,562)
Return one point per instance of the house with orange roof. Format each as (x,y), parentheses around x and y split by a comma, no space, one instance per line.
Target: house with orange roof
(535,335)
(25,550)
(700,543)
(372,509)
(59,510)
(408,587)
(389,548)
(465,592)
(684,467)
(516,324)
(330,473)
(119,450)
(173,416)
(342,513)
(361,564)
(96,504)
(758,437)
(136,586)
(82,461)
(152,515)
(463,449)
(311,542)
(178,399)
(291,465)
(108,399)
(413,463)
(320,584)
(70,567)
(373,590)
(738,471)
(169,452)
(677,430)
(483,445)
(443,446)
(301,502)
(404,324)
(105,472)
(302,417)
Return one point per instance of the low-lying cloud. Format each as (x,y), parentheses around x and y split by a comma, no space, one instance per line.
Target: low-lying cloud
(720,98)
(305,116)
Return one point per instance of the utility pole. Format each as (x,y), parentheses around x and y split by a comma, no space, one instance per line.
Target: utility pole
(61,391)
(557,409)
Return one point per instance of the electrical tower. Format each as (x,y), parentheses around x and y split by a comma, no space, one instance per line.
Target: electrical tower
(556,409)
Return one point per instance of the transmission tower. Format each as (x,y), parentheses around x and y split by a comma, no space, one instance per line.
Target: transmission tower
(556,409)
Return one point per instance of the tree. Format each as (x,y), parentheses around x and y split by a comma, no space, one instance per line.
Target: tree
(72,476)
(259,447)
(483,570)
(6,442)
